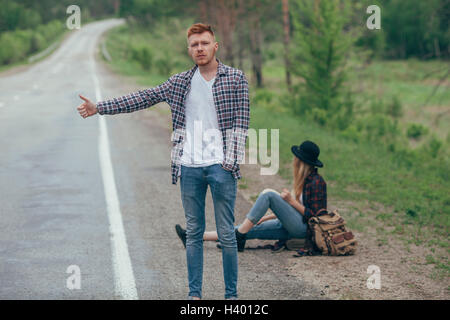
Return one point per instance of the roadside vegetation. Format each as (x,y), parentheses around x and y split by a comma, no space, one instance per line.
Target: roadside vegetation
(28,27)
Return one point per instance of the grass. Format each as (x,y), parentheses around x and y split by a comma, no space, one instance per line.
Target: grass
(392,189)
(415,84)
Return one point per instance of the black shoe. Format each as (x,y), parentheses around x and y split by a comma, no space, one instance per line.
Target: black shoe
(279,246)
(181,234)
(240,238)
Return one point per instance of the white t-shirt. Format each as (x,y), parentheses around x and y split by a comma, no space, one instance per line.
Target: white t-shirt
(203,145)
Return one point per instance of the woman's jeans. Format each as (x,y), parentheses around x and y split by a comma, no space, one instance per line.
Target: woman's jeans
(194,183)
(288,225)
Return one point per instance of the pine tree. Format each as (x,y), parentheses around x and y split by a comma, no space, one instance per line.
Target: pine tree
(321,45)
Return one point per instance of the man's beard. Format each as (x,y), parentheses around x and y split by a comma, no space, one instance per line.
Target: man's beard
(207,61)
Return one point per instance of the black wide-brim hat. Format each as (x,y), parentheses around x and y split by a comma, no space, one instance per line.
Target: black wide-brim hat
(308,152)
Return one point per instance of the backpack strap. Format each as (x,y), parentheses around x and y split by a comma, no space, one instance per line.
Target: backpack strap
(321,212)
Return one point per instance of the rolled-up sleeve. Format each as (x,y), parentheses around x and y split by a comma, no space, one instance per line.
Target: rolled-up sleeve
(136,101)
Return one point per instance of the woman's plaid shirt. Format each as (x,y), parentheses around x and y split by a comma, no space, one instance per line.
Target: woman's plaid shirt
(314,194)
(231,99)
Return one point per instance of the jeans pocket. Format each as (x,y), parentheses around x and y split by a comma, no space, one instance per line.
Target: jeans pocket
(225,169)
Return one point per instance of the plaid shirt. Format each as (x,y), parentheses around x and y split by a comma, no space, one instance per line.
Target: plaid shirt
(314,194)
(231,99)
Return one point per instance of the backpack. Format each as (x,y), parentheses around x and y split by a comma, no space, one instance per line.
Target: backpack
(330,235)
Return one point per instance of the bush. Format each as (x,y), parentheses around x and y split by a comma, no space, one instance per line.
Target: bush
(165,65)
(344,116)
(16,45)
(395,108)
(352,133)
(319,116)
(7,44)
(146,58)
(24,38)
(38,42)
(51,30)
(263,96)
(380,127)
(433,147)
(415,131)
(143,55)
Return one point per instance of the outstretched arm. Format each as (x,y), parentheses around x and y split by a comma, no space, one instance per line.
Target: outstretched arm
(129,103)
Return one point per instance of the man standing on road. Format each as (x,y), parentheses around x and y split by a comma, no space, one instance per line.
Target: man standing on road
(210,117)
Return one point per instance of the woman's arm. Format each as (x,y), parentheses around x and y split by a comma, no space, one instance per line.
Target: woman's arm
(267,217)
(298,206)
(287,196)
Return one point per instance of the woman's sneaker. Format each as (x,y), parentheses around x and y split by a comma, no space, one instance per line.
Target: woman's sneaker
(181,234)
(279,246)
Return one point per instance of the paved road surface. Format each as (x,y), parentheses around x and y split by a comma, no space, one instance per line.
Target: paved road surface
(56,211)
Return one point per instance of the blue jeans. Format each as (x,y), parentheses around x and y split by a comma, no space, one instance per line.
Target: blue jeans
(289,223)
(194,183)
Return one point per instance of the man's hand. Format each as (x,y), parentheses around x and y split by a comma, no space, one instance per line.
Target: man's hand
(88,108)
(286,195)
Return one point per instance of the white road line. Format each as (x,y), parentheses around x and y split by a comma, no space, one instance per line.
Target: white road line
(124,282)
(1,104)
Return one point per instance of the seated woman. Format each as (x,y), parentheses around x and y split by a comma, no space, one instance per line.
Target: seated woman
(290,213)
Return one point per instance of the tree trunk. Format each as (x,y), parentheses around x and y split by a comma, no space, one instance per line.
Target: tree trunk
(226,13)
(116,7)
(286,28)
(255,48)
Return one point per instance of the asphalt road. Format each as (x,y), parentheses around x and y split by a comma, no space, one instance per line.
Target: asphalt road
(65,212)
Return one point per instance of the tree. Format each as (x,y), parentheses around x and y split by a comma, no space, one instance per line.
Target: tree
(322,44)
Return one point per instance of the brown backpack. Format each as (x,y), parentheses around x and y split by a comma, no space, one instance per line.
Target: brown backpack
(330,235)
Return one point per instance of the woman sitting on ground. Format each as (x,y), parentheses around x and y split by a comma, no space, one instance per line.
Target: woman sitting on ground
(290,214)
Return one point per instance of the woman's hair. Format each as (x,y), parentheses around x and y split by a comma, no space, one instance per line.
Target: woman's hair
(301,170)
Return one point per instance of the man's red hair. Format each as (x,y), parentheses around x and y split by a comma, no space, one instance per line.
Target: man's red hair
(198,28)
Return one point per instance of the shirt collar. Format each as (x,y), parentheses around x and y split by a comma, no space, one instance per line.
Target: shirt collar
(313,173)
(221,70)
